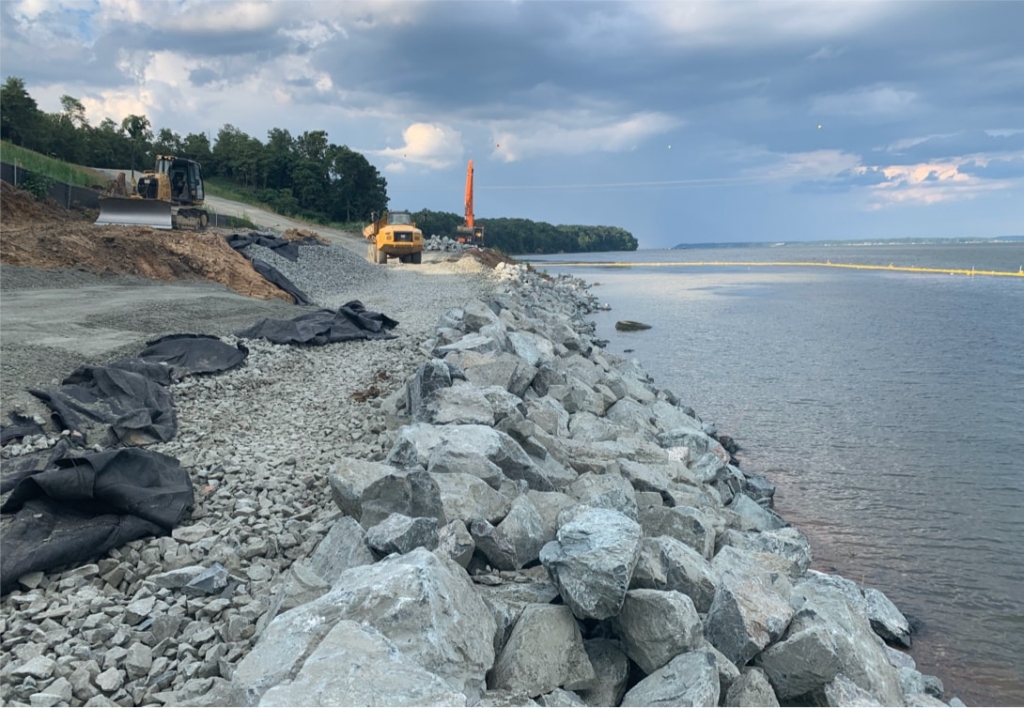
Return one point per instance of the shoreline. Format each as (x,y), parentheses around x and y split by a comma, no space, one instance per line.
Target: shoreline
(291,458)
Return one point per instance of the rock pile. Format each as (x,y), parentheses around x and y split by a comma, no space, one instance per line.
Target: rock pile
(443,243)
(524,520)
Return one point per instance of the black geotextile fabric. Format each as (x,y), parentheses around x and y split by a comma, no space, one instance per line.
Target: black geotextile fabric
(128,402)
(351,321)
(80,507)
(282,247)
(20,427)
(277,278)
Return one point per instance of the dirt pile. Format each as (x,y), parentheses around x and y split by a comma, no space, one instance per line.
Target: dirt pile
(44,235)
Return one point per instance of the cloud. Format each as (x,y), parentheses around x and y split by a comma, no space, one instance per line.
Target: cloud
(431,144)
(532,138)
(907,143)
(871,102)
(938,181)
(814,165)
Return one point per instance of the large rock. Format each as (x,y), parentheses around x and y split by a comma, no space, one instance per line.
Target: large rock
(524,528)
(633,416)
(611,673)
(416,442)
(646,478)
(350,479)
(789,543)
(430,377)
(549,415)
(837,604)
(668,564)
(530,347)
(751,607)
(461,403)
(498,549)
(756,516)
(683,523)
(411,493)
(424,604)
(606,491)
(587,427)
(466,497)
(592,561)
(476,315)
(576,396)
(299,586)
(342,548)
(446,459)
(887,621)
(549,505)
(544,652)
(802,662)
(454,541)
(400,534)
(690,679)
(504,370)
(356,665)
(656,625)
(841,692)
(751,689)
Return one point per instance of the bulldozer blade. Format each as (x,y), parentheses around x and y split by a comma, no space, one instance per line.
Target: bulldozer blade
(127,211)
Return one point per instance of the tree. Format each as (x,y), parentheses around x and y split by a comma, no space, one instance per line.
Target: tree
(167,143)
(20,117)
(357,188)
(73,109)
(138,129)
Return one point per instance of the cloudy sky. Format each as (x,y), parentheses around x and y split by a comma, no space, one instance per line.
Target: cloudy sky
(682,122)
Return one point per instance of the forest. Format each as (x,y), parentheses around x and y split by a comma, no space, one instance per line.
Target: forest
(304,176)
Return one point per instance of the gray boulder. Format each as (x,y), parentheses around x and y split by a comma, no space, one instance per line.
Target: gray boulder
(411,493)
(631,415)
(756,516)
(759,488)
(668,564)
(446,459)
(606,491)
(576,396)
(690,679)
(587,427)
(561,697)
(789,543)
(466,497)
(499,550)
(887,621)
(751,689)
(611,673)
(524,528)
(841,691)
(592,561)
(549,505)
(400,534)
(350,479)
(470,441)
(646,478)
(299,586)
(837,604)
(461,403)
(549,415)
(342,548)
(683,523)
(424,604)
(430,377)
(476,315)
(454,541)
(656,625)
(803,662)
(544,652)
(750,609)
(356,665)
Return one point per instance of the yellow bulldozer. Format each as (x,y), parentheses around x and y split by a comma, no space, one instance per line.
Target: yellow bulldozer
(170,196)
(394,235)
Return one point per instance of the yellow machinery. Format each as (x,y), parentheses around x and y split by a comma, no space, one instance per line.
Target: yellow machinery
(169,196)
(394,235)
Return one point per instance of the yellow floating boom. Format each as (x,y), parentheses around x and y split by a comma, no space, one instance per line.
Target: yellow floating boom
(802,264)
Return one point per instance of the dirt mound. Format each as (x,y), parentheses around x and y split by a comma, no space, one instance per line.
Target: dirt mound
(40,235)
(302,235)
(487,257)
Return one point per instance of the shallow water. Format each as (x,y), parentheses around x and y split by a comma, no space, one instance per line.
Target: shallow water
(888,407)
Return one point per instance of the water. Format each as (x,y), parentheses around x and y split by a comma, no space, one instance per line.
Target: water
(888,407)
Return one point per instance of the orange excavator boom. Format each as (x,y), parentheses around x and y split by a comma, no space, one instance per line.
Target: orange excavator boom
(469,195)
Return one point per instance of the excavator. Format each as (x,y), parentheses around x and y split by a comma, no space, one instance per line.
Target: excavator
(170,196)
(468,233)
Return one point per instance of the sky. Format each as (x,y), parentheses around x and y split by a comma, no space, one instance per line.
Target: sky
(682,122)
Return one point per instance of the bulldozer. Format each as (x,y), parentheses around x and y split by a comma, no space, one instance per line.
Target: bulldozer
(469,233)
(170,196)
(394,235)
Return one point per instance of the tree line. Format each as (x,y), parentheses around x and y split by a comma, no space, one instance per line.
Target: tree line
(305,176)
(524,236)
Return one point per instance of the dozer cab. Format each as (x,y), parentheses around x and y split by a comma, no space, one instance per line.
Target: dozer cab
(394,235)
(168,197)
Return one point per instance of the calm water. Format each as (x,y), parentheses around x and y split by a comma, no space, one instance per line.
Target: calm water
(888,408)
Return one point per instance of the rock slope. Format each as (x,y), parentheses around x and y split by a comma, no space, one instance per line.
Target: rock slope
(492,511)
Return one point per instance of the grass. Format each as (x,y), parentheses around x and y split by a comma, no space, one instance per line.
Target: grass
(53,168)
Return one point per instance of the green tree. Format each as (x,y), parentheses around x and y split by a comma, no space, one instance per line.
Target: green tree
(20,117)
(358,189)
(168,143)
(140,132)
